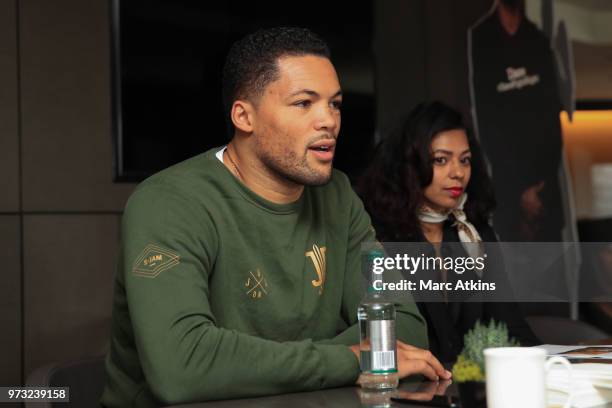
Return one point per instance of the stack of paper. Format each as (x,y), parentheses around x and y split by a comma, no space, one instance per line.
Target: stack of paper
(590,386)
(579,352)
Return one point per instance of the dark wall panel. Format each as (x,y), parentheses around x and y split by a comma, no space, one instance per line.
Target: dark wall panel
(9,180)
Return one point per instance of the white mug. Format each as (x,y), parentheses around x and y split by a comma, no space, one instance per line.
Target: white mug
(516,377)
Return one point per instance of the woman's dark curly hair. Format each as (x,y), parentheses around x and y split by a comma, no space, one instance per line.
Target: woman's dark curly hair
(392,186)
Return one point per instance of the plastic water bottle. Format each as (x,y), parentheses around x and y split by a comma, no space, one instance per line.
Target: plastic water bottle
(377,345)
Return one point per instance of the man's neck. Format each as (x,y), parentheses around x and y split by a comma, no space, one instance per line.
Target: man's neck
(258,178)
(509,17)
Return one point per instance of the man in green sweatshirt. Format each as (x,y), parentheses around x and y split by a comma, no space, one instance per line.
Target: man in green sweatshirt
(240,268)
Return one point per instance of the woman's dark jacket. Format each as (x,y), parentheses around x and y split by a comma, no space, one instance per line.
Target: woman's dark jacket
(448,322)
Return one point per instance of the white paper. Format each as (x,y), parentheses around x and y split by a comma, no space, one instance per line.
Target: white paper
(591,385)
(603,352)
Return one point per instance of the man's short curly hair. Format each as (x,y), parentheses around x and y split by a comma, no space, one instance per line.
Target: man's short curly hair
(251,63)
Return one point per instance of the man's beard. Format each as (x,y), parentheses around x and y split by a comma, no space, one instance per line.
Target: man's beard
(296,170)
(289,166)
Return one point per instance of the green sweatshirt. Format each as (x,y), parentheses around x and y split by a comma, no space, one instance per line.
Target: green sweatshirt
(223,294)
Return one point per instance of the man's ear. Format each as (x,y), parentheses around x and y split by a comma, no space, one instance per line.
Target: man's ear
(242,115)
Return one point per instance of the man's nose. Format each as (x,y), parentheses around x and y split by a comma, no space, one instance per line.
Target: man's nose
(327,118)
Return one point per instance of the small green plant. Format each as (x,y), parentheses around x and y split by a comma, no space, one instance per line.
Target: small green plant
(470,363)
(466,370)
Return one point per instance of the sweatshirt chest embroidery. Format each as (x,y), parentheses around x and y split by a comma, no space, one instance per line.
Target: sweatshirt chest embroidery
(153,260)
(256,285)
(317,256)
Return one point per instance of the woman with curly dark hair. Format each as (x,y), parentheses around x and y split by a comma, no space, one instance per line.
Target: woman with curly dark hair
(428,183)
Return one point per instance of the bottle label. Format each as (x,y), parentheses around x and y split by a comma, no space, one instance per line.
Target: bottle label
(383,361)
(382,343)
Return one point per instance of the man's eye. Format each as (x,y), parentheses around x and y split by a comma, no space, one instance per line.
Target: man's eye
(336,105)
(303,104)
(439,160)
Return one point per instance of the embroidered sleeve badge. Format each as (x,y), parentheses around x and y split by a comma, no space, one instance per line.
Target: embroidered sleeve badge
(153,260)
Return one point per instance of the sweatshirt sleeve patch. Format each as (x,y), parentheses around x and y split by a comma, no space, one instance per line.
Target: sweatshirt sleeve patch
(153,260)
